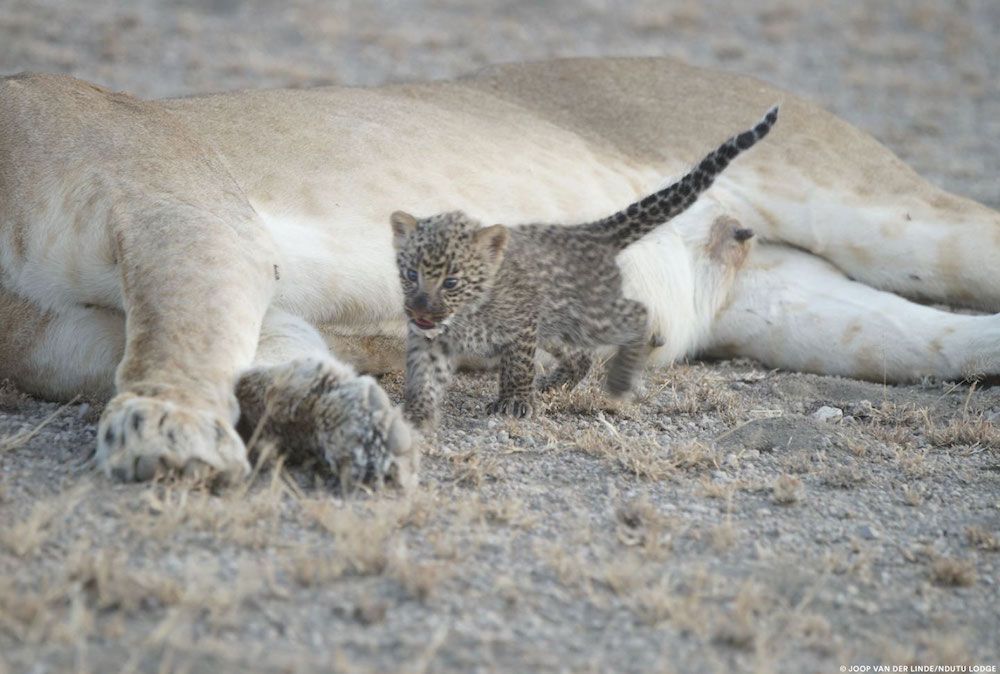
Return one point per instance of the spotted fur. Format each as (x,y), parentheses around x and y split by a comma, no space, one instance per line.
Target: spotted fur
(499,292)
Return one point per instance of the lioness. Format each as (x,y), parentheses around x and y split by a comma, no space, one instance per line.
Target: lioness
(195,258)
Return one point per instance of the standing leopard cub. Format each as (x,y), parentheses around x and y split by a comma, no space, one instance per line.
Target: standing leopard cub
(499,292)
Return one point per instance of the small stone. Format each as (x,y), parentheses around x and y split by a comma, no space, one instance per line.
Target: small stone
(868,532)
(827,413)
(503,436)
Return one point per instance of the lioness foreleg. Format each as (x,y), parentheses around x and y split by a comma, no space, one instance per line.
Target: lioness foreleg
(195,286)
(308,402)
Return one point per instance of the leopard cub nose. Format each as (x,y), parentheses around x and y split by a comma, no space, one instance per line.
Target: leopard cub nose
(420,302)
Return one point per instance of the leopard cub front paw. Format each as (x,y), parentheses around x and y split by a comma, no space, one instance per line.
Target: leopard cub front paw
(514,407)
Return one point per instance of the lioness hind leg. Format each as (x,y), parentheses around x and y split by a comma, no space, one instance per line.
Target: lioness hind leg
(310,404)
(797,312)
(60,354)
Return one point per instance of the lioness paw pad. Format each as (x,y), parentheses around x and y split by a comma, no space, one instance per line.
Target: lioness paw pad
(141,437)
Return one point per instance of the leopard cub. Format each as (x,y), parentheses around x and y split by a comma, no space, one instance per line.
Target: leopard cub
(502,293)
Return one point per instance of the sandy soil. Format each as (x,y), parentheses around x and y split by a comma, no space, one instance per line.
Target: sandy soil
(716,524)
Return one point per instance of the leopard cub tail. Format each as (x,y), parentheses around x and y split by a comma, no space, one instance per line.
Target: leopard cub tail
(638,219)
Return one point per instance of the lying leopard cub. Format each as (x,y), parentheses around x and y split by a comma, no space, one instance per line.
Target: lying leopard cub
(499,292)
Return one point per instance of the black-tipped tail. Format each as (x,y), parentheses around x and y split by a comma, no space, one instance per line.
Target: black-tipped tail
(634,222)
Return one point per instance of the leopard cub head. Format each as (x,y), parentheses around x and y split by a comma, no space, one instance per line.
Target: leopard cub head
(446,262)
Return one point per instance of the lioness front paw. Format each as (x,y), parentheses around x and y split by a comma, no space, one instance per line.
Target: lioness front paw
(140,437)
(363,436)
(321,408)
(514,407)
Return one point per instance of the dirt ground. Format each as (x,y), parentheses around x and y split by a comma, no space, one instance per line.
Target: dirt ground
(724,521)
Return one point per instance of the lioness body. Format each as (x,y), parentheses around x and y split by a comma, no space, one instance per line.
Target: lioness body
(184,241)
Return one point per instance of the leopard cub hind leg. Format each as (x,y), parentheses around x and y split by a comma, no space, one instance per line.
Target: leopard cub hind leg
(572,366)
(629,333)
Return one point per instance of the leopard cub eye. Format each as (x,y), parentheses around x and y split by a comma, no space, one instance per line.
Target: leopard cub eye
(449,283)
(411,274)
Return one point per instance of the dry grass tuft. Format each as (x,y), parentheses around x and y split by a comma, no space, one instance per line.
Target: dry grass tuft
(844,476)
(588,399)
(639,524)
(723,536)
(362,534)
(641,457)
(313,568)
(894,425)
(473,468)
(787,489)
(695,389)
(968,430)
(370,611)
(112,585)
(246,516)
(982,539)
(644,457)
(953,572)
(901,425)
(912,496)
(418,578)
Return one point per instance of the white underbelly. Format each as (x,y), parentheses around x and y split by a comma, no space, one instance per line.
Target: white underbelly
(333,231)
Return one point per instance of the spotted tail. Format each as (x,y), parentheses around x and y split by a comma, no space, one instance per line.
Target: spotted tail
(634,222)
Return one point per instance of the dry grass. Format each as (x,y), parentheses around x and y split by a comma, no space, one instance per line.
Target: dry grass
(363,534)
(588,399)
(641,457)
(473,468)
(93,591)
(249,521)
(22,438)
(644,457)
(26,537)
(903,425)
(970,430)
(952,572)
(982,539)
(895,425)
(638,524)
(419,579)
(844,476)
(111,583)
(787,489)
(696,389)
(723,536)
(912,496)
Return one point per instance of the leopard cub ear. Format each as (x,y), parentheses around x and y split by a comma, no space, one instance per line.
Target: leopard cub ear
(492,240)
(403,225)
